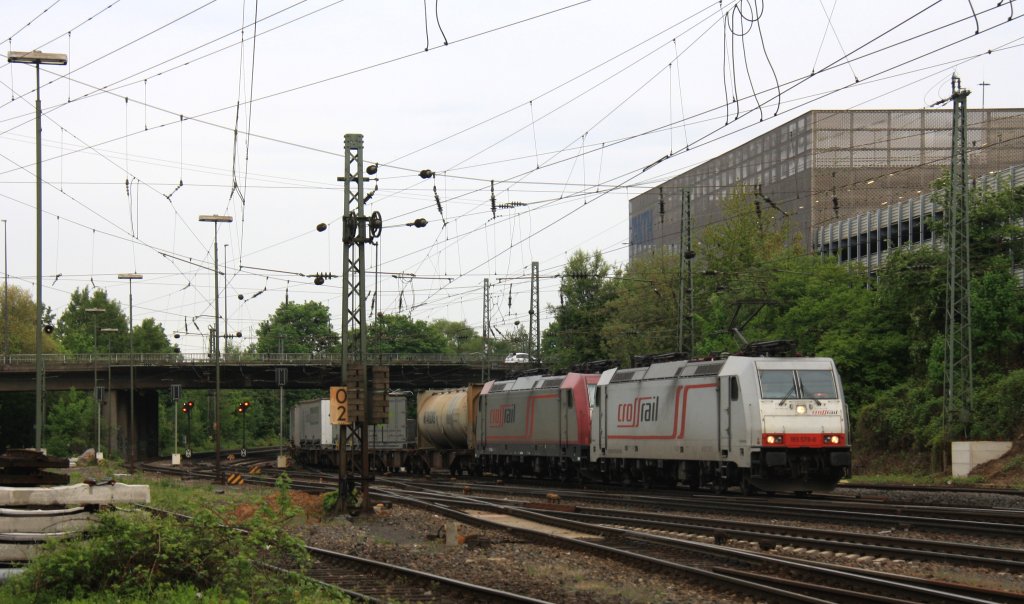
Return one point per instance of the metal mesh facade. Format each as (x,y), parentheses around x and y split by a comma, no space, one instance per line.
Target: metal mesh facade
(829,165)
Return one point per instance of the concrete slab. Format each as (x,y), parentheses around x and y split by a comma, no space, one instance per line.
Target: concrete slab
(18,552)
(44,524)
(514,522)
(75,494)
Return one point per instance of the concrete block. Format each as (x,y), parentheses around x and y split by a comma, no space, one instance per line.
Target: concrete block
(969,454)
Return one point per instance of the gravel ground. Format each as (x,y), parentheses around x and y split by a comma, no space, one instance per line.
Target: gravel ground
(416,539)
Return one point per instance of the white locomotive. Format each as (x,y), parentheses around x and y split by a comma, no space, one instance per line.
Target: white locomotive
(774,424)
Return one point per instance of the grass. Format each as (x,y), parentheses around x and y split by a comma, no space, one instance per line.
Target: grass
(917,479)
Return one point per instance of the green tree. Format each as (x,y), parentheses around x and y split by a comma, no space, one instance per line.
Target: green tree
(739,261)
(574,335)
(459,337)
(399,333)
(70,426)
(302,327)
(642,314)
(75,326)
(150,337)
(21,321)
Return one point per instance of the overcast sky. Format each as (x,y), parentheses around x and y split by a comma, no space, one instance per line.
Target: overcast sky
(561,104)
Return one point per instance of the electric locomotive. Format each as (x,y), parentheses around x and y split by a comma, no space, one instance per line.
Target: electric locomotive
(759,423)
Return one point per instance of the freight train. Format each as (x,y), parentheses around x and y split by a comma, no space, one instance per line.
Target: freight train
(756,423)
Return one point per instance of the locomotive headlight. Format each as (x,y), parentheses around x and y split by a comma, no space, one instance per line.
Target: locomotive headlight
(801,409)
(831,439)
(774,439)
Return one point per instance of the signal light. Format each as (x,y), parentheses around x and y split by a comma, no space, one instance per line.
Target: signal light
(243,407)
(187,407)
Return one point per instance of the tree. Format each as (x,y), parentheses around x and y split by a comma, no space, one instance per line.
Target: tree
(399,333)
(21,320)
(642,315)
(302,327)
(574,335)
(75,327)
(459,337)
(70,423)
(150,337)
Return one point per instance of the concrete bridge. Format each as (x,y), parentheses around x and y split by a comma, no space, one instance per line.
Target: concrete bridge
(240,370)
(155,373)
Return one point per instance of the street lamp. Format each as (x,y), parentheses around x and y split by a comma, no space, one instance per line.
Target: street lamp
(95,312)
(38,58)
(215,219)
(7,329)
(108,331)
(131,368)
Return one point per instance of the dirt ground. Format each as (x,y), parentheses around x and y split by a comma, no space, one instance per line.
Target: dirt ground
(1004,472)
(1007,471)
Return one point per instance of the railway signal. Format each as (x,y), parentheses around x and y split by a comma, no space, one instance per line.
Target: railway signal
(186,408)
(242,408)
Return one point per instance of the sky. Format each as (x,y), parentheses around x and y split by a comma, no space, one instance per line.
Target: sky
(171,110)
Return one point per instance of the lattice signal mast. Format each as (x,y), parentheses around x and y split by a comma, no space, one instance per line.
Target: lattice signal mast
(958,377)
(534,334)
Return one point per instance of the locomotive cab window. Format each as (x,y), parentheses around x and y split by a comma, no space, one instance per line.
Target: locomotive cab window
(817,383)
(803,383)
(777,383)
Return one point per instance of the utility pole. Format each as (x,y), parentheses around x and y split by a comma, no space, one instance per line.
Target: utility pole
(533,340)
(485,364)
(959,374)
(686,255)
(353,316)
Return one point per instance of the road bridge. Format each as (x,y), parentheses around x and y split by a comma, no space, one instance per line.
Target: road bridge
(240,370)
(155,373)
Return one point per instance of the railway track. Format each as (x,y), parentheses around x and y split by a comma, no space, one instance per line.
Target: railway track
(853,511)
(374,581)
(768,561)
(756,573)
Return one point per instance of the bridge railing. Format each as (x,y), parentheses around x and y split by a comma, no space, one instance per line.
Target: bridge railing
(244,358)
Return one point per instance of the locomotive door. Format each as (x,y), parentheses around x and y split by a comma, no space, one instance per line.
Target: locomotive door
(564,409)
(728,391)
(601,409)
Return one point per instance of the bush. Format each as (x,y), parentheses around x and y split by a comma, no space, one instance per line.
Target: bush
(135,555)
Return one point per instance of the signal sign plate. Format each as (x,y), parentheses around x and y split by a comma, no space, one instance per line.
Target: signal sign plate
(339,406)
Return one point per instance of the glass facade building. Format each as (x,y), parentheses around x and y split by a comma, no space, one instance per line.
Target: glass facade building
(827,166)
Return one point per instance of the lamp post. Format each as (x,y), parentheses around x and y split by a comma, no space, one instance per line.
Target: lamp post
(108,331)
(215,219)
(95,312)
(131,369)
(7,328)
(38,58)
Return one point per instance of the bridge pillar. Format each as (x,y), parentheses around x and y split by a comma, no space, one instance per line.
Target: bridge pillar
(117,418)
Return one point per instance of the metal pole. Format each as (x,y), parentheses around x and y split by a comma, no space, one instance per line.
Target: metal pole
(95,382)
(110,348)
(39,267)
(131,374)
(216,360)
(215,219)
(7,328)
(226,332)
(131,365)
